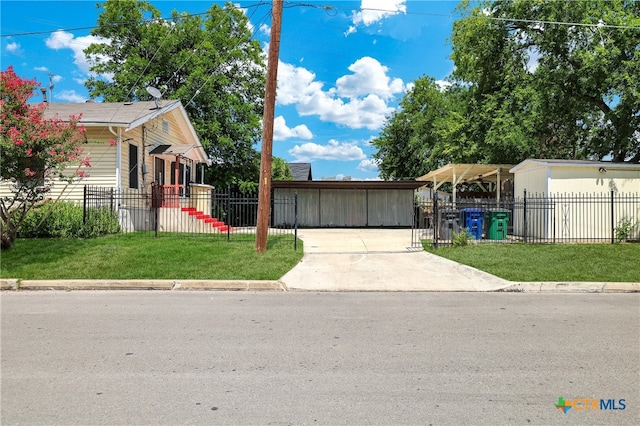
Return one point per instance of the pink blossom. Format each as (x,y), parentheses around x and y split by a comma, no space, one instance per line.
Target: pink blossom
(112,142)
(19,142)
(29,152)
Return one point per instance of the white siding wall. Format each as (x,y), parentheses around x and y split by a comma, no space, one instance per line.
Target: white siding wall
(532,179)
(590,180)
(102,173)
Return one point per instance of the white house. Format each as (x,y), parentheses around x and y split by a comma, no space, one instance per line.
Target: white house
(132,146)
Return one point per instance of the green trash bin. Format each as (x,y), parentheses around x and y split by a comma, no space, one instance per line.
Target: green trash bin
(497,223)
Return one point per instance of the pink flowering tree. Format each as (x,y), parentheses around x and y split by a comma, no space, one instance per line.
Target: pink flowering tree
(35,152)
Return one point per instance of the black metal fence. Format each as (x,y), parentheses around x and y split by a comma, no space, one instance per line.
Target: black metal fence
(533,218)
(204,210)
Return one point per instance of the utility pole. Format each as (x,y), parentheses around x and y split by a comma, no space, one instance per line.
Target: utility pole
(264,185)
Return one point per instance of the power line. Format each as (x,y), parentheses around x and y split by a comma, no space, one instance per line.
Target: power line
(531,21)
(256,29)
(149,21)
(290,5)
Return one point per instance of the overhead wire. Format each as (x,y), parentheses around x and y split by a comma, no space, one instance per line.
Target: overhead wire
(166,37)
(256,29)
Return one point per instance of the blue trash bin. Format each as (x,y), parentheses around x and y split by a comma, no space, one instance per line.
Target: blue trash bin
(472,219)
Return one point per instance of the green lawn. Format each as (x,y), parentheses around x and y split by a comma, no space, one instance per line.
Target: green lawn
(141,256)
(547,262)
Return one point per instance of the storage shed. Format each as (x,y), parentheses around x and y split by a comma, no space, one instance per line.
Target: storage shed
(342,204)
(575,199)
(546,177)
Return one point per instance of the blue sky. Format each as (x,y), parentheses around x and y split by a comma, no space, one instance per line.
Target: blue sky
(344,65)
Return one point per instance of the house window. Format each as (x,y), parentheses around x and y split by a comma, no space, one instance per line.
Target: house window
(133,166)
(165,126)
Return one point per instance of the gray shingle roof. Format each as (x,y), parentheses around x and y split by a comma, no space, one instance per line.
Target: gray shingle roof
(301,171)
(129,114)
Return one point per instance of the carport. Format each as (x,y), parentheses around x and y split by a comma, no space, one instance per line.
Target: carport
(343,204)
(488,177)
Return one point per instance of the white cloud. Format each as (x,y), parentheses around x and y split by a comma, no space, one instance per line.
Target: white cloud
(533,59)
(43,69)
(443,84)
(369,76)
(64,40)
(295,84)
(265,29)
(359,100)
(282,132)
(12,47)
(69,96)
(372,11)
(368,165)
(334,150)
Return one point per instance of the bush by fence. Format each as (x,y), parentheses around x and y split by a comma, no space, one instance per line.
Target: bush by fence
(62,219)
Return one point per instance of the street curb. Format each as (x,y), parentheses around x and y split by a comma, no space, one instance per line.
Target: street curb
(185,285)
(257,285)
(572,287)
(9,284)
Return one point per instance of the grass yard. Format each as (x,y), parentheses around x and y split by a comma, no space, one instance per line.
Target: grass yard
(551,262)
(141,256)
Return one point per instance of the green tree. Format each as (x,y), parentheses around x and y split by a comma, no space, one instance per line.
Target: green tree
(426,132)
(280,169)
(211,63)
(34,152)
(551,78)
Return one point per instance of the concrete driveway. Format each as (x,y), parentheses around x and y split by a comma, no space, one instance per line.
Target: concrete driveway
(379,260)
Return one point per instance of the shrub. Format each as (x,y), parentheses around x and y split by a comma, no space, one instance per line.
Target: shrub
(627,230)
(461,238)
(65,220)
(101,221)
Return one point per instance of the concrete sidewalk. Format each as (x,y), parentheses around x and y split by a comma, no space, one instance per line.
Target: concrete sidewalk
(351,260)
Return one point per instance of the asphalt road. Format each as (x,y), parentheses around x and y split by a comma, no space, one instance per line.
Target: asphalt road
(273,358)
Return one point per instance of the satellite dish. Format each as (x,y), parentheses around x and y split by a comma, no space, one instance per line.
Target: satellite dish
(155,93)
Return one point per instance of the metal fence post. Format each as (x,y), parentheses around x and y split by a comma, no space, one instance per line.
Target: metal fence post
(156,196)
(613,222)
(436,225)
(524,215)
(228,213)
(84,206)
(295,221)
